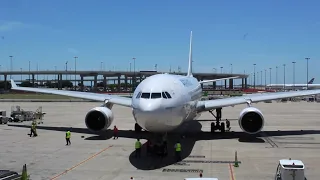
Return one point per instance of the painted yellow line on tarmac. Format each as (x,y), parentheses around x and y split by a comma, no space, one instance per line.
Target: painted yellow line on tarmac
(84,161)
(231,170)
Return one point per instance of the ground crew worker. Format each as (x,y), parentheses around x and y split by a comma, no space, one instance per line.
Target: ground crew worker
(177,147)
(68,136)
(33,130)
(138,148)
(228,124)
(115,132)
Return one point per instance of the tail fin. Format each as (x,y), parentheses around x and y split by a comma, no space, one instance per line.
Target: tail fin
(190,57)
(311,81)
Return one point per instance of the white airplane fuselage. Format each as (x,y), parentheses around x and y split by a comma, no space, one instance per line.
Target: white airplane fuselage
(161,113)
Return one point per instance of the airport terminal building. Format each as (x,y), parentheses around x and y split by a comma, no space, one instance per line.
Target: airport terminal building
(113,77)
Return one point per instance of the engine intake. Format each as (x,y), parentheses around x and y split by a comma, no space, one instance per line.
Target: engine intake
(251,120)
(99,118)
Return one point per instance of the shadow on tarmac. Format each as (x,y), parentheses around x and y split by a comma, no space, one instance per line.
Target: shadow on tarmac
(188,134)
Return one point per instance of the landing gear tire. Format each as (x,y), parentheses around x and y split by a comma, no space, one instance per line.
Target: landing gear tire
(137,128)
(213,127)
(222,128)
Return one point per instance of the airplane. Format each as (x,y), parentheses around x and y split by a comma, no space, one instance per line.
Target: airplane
(296,86)
(163,102)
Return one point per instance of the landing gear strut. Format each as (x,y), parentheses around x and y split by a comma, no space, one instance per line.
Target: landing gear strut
(217,125)
(137,128)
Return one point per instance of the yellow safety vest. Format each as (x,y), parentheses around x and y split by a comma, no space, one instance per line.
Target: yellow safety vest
(33,126)
(138,145)
(68,134)
(178,147)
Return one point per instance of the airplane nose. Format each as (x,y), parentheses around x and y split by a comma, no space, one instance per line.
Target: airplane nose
(147,106)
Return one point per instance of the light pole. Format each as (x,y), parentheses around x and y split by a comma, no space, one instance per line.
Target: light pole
(258,78)
(215,70)
(11,66)
(231,68)
(156,67)
(29,71)
(254,76)
(284,77)
(261,78)
(221,73)
(307,71)
(75,73)
(293,78)
(270,74)
(276,74)
(21,74)
(66,70)
(37,74)
(101,66)
(134,74)
(0,71)
(265,79)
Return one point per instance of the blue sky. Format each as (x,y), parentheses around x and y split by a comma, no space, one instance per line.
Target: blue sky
(268,33)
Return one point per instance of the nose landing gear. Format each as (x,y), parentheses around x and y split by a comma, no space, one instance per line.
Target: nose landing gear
(219,125)
(137,128)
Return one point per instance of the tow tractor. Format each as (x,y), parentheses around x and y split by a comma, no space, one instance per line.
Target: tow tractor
(290,170)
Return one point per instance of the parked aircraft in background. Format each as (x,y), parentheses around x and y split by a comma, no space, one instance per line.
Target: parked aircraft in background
(295,86)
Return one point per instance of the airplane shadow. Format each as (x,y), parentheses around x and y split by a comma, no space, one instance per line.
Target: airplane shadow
(187,134)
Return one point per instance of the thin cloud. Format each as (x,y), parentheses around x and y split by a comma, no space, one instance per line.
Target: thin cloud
(9,26)
(73,51)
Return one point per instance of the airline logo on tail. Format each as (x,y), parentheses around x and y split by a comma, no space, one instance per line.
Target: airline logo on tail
(311,81)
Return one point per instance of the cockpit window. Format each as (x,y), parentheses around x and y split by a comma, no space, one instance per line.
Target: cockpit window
(164,95)
(145,95)
(155,95)
(168,95)
(138,95)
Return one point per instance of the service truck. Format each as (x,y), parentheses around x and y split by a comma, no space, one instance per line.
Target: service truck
(289,169)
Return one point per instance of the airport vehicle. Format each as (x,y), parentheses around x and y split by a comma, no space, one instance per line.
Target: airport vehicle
(162,102)
(3,118)
(290,169)
(295,86)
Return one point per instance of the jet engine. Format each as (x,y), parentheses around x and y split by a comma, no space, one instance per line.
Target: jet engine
(251,120)
(99,118)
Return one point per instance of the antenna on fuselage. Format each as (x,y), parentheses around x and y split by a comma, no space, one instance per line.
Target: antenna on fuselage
(190,57)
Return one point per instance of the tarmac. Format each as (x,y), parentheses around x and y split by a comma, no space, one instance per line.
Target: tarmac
(292,130)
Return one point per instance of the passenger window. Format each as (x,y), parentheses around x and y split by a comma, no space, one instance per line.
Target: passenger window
(155,95)
(164,95)
(145,95)
(138,95)
(168,95)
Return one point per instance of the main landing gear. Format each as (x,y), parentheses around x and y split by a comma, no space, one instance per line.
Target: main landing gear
(137,128)
(218,125)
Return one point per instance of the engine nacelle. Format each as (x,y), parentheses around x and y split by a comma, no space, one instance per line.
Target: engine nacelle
(99,118)
(251,120)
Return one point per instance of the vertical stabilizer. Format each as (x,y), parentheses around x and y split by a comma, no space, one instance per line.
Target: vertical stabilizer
(190,57)
(311,81)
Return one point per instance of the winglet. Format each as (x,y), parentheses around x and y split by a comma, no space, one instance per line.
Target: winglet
(190,57)
(13,84)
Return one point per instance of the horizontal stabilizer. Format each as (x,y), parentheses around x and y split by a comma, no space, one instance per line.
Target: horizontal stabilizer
(220,79)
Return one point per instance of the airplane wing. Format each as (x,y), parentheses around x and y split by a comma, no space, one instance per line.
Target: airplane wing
(213,80)
(123,101)
(252,98)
